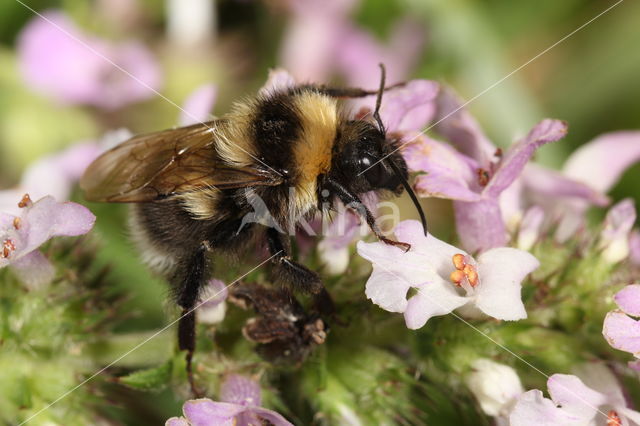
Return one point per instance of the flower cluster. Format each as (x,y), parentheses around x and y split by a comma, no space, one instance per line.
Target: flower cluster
(527,285)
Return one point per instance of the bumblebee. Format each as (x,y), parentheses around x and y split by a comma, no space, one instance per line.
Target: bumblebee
(295,149)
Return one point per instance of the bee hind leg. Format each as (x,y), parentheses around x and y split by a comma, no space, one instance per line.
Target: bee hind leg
(292,273)
(190,277)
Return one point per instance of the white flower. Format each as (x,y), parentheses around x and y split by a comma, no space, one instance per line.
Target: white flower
(445,277)
(495,386)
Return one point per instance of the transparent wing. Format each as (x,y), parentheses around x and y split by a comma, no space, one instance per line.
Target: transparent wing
(156,165)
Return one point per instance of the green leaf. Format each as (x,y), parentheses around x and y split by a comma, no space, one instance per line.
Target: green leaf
(151,379)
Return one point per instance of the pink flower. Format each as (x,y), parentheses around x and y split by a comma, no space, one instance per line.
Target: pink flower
(240,406)
(321,39)
(444,277)
(197,107)
(619,328)
(574,402)
(60,61)
(614,238)
(475,184)
(20,236)
(588,174)
(212,307)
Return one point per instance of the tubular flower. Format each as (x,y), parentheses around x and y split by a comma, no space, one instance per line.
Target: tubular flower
(444,278)
(240,406)
(595,396)
(474,187)
(619,328)
(59,60)
(20,236)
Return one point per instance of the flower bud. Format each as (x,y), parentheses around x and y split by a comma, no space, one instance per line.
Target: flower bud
(495,386)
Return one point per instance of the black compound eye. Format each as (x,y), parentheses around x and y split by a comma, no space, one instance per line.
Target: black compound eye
(372,170)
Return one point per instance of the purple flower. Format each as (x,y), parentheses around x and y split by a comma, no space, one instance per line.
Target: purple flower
(197,107)
(475,184)
(59,60)
(213,307)
(313,35)
(530,228)
(614,238)
(575,402)
(321,39)
(20,236)
(444,278)
(358,54)
(56,174)
(240,406)
(634,247)
(619,328)
(588,174)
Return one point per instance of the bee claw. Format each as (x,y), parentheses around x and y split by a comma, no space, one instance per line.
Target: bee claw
(405,246)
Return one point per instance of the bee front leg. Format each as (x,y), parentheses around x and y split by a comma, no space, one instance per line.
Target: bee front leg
(291,272)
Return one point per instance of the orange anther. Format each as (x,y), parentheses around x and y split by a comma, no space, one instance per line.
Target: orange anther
(457,276)
(25,201)
(613,419)
(8,247)
(472,276)
(458,261)
(17,222)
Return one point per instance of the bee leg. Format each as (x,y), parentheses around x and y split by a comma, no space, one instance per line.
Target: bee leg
(353,202)
(190,278)
(291,272)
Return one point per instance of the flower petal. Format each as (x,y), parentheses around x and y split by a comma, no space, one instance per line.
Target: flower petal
(55,60)
(501,272)
(628,299)
(546,184)
(432,299)
(634,247)
(198,106)
(480,225)
(530,228)
(34,270)
(409,107)
(278,80)
(387,290)
(574,396)
(458,127)
(622,332)
(495,386)
(448,173)
(519,154)
(597,376)
(410,267)
(614,238)
(241,390)
(176,421)
(271,416)
(205,412)
(533,409)
(47,218)
(629,414)
(601,162)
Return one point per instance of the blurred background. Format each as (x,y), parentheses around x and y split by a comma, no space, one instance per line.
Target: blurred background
(87,68)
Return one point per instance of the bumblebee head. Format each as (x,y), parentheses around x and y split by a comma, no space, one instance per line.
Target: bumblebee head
(365,160)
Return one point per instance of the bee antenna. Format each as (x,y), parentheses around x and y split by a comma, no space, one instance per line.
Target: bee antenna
(376,113)
(412,194)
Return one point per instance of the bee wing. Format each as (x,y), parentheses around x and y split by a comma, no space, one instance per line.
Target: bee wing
(155,165)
